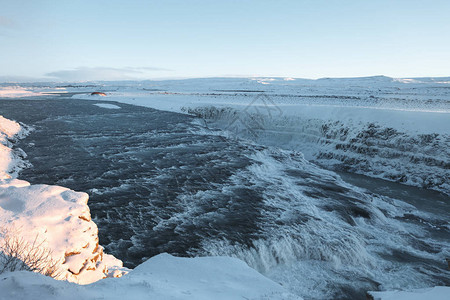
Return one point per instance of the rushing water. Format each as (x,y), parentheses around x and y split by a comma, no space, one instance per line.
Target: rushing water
(161,182)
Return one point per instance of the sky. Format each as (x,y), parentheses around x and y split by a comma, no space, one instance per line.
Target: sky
(81,40)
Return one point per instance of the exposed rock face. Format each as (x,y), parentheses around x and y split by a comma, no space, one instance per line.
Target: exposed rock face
(98,93)
(55,216)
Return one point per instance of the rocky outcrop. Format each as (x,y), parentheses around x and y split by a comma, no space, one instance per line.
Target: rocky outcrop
(98,94)
(60,220)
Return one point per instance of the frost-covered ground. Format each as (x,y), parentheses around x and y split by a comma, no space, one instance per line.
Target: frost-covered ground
(306,228)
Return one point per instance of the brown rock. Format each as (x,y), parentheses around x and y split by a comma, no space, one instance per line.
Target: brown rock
(98,93)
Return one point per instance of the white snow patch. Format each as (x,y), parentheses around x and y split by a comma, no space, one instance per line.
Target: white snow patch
(406,80)
(9,162)
(8,129)
(17,92)
(161,277)
(109,106)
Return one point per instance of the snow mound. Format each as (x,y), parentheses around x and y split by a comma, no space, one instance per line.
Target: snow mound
(161,277)
(59,218)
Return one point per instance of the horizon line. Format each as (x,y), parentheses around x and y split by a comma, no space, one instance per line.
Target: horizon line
(25,79)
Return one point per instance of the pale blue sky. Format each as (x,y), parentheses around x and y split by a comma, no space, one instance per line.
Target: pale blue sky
(76,40)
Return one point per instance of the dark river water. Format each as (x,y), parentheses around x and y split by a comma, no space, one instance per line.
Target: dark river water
(161,182)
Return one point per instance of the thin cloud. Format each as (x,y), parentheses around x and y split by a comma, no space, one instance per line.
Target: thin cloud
(104,73)
(7,22)
(146,69)
(20,79)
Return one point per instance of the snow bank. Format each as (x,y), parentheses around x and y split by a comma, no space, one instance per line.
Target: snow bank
(435,293)
(161,277)
(10,162)
(57,217)
(8,129)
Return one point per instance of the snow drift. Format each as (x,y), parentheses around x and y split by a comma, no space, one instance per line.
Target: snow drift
(161,277)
